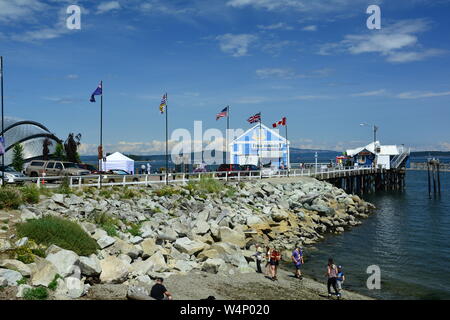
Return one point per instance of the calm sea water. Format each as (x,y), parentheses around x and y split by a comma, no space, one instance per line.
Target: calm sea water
(408,238)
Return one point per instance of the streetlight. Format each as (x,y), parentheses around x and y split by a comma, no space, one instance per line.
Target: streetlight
(375,129)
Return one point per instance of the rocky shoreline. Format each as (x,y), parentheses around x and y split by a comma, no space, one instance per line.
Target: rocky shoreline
(174,231)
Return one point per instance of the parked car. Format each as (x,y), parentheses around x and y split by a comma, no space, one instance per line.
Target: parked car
(116,175)
(251,169)
(89,167)
(229,168)
(11,175)
(54,168)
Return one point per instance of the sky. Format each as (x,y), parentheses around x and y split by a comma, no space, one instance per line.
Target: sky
(314,62)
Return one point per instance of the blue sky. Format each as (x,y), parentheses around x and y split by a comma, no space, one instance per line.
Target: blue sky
(312,61)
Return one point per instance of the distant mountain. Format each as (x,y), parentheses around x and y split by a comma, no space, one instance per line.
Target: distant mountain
(430,154)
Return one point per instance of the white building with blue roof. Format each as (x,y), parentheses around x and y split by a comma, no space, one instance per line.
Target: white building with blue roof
(260,142)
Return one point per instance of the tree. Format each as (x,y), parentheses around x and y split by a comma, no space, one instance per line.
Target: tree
(45,151)
(18,160)
(60,153)
(71,145)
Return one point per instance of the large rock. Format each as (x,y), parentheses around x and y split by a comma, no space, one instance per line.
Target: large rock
(231,236)
(21,290)
(4,245)
(158,261)
(225,248)
(188,246)
(207,254)
(184,266)
(63,260)
(149,247)
(114,270)
(105,241)
(121,246)
(26,214)
(201,227)
(17,266)
(43,273)
(212,265)
(11,276)
(279,215)
(75,287)
(58,198)
(141,268)
(90,266)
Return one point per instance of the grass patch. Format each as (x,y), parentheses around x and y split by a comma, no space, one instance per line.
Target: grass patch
(106,193)
(5,228)
(134,229)
(166,191)
(22,281)
(6,221)
(10,198)
(39,293)
(107,223)
(54,284)
(128,194)
(30,194)
(64,187)
(64,233)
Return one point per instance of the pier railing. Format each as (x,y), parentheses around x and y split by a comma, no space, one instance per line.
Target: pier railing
(175,178)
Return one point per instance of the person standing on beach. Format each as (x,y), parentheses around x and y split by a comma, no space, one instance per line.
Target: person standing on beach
(149,168)
(332,277)
(297,259)
(258,257)
(275,258)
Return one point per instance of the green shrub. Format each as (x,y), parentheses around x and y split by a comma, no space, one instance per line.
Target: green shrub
(39,293)
(30,194)
(10,198)
(61,232)
(64,187)
(166,191)
(39,252)
(22,281)
(107,223)
(106,193)
(54,284)
(128,194)
(134,229)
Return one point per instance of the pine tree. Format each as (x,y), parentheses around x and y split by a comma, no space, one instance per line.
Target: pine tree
(18,160)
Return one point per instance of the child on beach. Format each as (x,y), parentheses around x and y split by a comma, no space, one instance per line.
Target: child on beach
(340,278)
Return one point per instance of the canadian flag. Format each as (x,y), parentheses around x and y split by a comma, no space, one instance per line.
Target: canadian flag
(282,122)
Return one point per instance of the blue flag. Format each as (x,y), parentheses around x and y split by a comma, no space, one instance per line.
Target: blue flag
(97,92)
(2,146)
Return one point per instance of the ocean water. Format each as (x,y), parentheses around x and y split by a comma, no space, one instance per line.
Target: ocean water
(408,238)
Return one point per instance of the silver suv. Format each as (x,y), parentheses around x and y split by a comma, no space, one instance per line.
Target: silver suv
(54,168)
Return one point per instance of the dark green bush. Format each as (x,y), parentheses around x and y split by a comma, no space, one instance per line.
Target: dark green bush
(39,293)
(64,233)
(30,194)
(10,198)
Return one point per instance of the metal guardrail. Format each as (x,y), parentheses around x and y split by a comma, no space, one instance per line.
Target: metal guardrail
(155,179)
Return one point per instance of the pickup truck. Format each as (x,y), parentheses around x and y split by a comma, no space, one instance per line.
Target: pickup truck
(54,168)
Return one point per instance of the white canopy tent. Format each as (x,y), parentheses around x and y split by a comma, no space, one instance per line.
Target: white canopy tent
(118,161)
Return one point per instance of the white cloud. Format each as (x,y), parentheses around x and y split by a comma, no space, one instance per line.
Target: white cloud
(398,43)
(275,73)
(46,33)
(370,93)
(310,28)
(421,94)
(108,6)
(236,44)
(12,10)
(276,26)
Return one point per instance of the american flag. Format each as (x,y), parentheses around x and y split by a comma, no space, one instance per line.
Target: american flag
(282,122)
(255,118)
(163,103)
(221,114)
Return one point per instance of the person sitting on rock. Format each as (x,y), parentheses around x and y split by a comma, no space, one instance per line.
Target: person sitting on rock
(159,291)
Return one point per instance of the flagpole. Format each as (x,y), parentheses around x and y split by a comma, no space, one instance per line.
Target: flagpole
(3,134)
(167,138)
(287,148)
(101,134)
(259,146)
(226,134)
